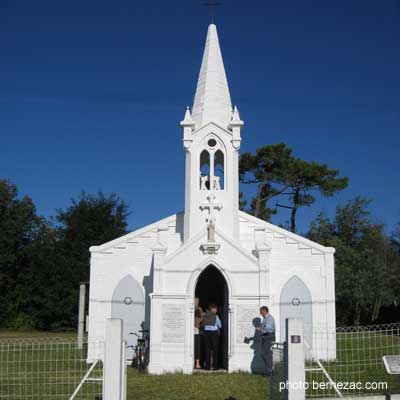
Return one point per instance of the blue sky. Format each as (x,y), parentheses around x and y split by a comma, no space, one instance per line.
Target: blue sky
(92,92)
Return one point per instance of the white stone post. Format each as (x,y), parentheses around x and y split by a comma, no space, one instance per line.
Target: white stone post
(114,363)
(156,335)
(123,370)
(295,360)
(81,315)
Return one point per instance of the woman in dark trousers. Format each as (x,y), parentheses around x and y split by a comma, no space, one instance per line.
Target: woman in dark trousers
(212,326)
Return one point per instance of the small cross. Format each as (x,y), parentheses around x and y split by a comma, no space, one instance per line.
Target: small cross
(212,4)
(211,206)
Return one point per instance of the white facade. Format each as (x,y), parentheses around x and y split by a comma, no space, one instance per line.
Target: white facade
(251,262)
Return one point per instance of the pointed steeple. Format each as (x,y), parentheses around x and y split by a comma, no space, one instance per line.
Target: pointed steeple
(235,115)
(187,120)
(212,101)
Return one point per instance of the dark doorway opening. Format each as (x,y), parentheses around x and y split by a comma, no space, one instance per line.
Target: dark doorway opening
(211,288)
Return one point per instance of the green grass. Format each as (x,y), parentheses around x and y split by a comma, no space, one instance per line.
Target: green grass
(359,359)
(199,386)
(40,367)
(4,333)
(48,366)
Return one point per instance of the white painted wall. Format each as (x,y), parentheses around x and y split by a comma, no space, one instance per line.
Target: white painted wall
(173,280)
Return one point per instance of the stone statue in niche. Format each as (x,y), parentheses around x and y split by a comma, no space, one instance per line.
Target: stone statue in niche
(204,181)
(216,184)
(211,231)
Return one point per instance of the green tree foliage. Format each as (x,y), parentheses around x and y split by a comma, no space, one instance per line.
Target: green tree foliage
(19,229)
(88,221)
(396,238)
(276,172)
(266,169)
(42,264)
(367,266)
(304,178)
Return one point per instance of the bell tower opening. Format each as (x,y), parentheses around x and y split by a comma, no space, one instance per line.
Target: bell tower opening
(205,170)
(211,288)
(219,170)
(212,167)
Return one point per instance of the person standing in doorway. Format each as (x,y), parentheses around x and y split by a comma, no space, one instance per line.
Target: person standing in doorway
(212,326)
(267,329)
(198,316)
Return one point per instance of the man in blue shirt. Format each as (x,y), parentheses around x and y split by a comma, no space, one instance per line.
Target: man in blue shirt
(211,326)
(267,329)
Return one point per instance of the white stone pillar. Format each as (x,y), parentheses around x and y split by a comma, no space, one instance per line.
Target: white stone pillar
(263,251)
(187,367)
(155,335)
(296,363)
(113,369)
(159,254)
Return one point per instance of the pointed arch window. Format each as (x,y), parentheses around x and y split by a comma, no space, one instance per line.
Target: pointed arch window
(212,167)
(219,170)
(205,170)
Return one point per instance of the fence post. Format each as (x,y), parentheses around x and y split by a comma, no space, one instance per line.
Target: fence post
(81,315)
(296,374)
(114,370)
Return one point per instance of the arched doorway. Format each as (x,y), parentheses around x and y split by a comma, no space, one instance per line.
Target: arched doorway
(296,302)
(212,288)
(128,305)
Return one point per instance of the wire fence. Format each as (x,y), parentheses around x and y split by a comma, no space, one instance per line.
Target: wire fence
(345,361)
(48,368)
(278,376)
(348,361)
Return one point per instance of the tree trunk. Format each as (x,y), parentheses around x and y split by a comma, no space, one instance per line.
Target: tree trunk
(357,314)
(375,311)
(294,211)
(257,206)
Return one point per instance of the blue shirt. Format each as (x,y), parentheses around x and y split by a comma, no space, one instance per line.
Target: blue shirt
(215,327)
(268,324)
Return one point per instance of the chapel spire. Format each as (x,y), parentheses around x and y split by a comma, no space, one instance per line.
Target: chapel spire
(212,101)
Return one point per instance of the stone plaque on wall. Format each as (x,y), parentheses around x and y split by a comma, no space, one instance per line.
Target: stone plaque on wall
(173,323)
(246,313)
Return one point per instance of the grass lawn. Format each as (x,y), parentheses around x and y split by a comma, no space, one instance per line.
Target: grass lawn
(48,366)
(42,365)
(359,360)
(36,334)
(199,386)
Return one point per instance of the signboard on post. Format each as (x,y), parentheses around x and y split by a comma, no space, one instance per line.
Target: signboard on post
(295,339)
(392,364)
(296,372)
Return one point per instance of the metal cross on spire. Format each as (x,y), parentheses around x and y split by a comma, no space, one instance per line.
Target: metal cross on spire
(212,4)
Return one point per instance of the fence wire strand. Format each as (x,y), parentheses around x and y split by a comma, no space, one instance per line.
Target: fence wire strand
(47,368)
(352,356)
(52,368)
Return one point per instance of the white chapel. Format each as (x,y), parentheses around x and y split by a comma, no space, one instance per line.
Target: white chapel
(211,250)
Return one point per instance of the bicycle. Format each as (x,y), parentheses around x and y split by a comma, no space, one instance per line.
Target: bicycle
(141,351)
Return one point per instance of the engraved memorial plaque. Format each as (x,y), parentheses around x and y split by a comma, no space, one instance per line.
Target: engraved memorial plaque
(173,323)
(244,321)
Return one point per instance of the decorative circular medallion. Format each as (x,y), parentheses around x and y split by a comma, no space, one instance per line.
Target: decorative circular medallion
(296,301)
(128,300)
